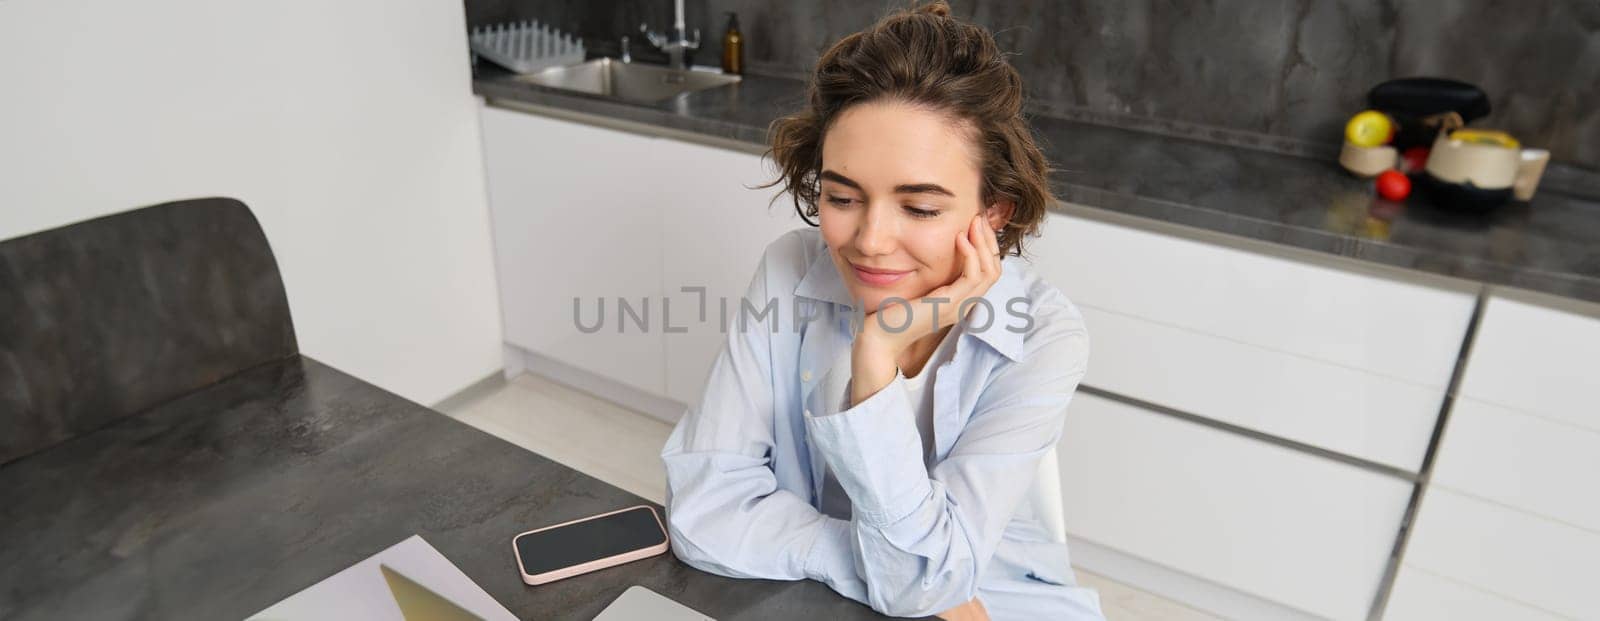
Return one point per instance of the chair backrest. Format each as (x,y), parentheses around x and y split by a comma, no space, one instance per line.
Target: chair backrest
(1046,497)
(108,317)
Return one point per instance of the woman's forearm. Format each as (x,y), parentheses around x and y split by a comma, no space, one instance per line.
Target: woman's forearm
(910,543)
(725,517)
(872,367)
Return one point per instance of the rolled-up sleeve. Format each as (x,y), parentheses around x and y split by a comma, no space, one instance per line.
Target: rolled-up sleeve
(875,451)
(922,539)
(725,512)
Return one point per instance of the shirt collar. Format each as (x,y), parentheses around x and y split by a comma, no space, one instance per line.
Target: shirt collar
(822,282)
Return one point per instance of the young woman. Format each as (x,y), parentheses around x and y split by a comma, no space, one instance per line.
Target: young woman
(879,411)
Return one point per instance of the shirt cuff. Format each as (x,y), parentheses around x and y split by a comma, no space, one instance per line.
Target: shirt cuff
(875,452)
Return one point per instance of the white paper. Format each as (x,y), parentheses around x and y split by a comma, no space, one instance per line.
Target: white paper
(359,592)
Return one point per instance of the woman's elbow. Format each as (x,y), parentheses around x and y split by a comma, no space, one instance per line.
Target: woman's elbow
(703,541)
(693,550)
(690,553)
(919,580)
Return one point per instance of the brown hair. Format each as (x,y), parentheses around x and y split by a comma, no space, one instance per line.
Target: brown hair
(926,58)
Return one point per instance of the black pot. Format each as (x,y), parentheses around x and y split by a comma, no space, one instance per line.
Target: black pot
(1459,196)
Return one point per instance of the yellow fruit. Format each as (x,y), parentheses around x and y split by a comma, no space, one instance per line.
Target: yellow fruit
(1369,128)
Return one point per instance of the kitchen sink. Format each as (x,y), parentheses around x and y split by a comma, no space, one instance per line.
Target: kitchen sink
(636,82)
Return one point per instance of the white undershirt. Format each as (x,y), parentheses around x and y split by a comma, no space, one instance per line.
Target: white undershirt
(919,393)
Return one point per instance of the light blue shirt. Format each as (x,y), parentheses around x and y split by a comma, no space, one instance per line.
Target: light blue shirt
(745,465)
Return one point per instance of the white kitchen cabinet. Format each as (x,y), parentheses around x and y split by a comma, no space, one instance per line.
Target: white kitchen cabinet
(592,213)
(712,237)
(577,212)
(1538,358)
(1501,551)
(1420,595)
(1512,516)
(1327,405)
(1542,466)
(1305,531)
(1344,360)
(1385,325)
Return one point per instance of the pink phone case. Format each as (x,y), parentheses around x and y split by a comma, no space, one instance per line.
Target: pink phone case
(602,563)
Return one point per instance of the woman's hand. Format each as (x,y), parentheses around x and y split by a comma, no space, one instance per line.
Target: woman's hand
(874,357)
(973,610)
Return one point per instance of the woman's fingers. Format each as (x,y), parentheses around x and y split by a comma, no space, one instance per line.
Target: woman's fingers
(991,239)
(968,254)
(974,239)
(979,254)
(958,291)
(991,249)
(984,272)
(981,274)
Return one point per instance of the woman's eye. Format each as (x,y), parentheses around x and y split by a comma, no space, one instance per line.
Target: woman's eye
(840,201)
(922,213)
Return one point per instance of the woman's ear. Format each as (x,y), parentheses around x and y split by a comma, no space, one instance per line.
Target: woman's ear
(999,213)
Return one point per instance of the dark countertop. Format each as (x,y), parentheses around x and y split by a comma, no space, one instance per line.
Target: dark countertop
(222,502)
(1550,245)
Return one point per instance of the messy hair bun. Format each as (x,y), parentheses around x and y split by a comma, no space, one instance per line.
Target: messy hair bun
(937,7)
(924,57)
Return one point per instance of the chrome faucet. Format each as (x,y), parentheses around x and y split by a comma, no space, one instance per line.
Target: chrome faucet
(673,43)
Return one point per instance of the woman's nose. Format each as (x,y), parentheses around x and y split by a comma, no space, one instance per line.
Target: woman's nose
(876,235)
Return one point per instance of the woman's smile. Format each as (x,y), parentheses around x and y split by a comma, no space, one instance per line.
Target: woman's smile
(874,277)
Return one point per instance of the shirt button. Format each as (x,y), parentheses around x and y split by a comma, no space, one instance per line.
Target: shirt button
(805,376)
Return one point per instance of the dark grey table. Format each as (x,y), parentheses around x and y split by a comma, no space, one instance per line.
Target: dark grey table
(219,503)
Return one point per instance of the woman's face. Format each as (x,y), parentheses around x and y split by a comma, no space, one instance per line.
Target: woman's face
(898,184)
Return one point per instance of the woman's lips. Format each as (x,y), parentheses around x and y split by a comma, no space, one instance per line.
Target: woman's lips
(877,278)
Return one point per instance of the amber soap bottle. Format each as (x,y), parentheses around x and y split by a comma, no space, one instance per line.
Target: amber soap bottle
(733,47)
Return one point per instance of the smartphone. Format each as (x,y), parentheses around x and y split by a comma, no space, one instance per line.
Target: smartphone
(581,546)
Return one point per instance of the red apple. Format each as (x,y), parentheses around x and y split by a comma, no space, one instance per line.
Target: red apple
(1393,185)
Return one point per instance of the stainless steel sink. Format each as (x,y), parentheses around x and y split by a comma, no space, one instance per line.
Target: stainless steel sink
(636,82)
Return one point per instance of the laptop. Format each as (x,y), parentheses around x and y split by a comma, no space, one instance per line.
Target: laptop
(642,604)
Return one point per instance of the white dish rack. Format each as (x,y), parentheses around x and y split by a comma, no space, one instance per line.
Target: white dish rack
(525,47)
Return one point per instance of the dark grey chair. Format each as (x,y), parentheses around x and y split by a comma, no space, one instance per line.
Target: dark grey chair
(112,316)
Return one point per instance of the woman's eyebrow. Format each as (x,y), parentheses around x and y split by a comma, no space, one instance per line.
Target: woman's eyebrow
(922,188)
(836,177)
(904,188)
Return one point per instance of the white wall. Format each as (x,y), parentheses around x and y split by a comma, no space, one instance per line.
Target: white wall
(348,126)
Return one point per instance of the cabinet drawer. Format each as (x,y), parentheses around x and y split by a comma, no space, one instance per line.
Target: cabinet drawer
(1301,530)
(1512,554)
(1398,329)
(1419,595)
(1537,359)
(1539,465)
(1335,407)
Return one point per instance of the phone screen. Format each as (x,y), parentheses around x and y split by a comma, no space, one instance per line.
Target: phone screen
(589,540)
